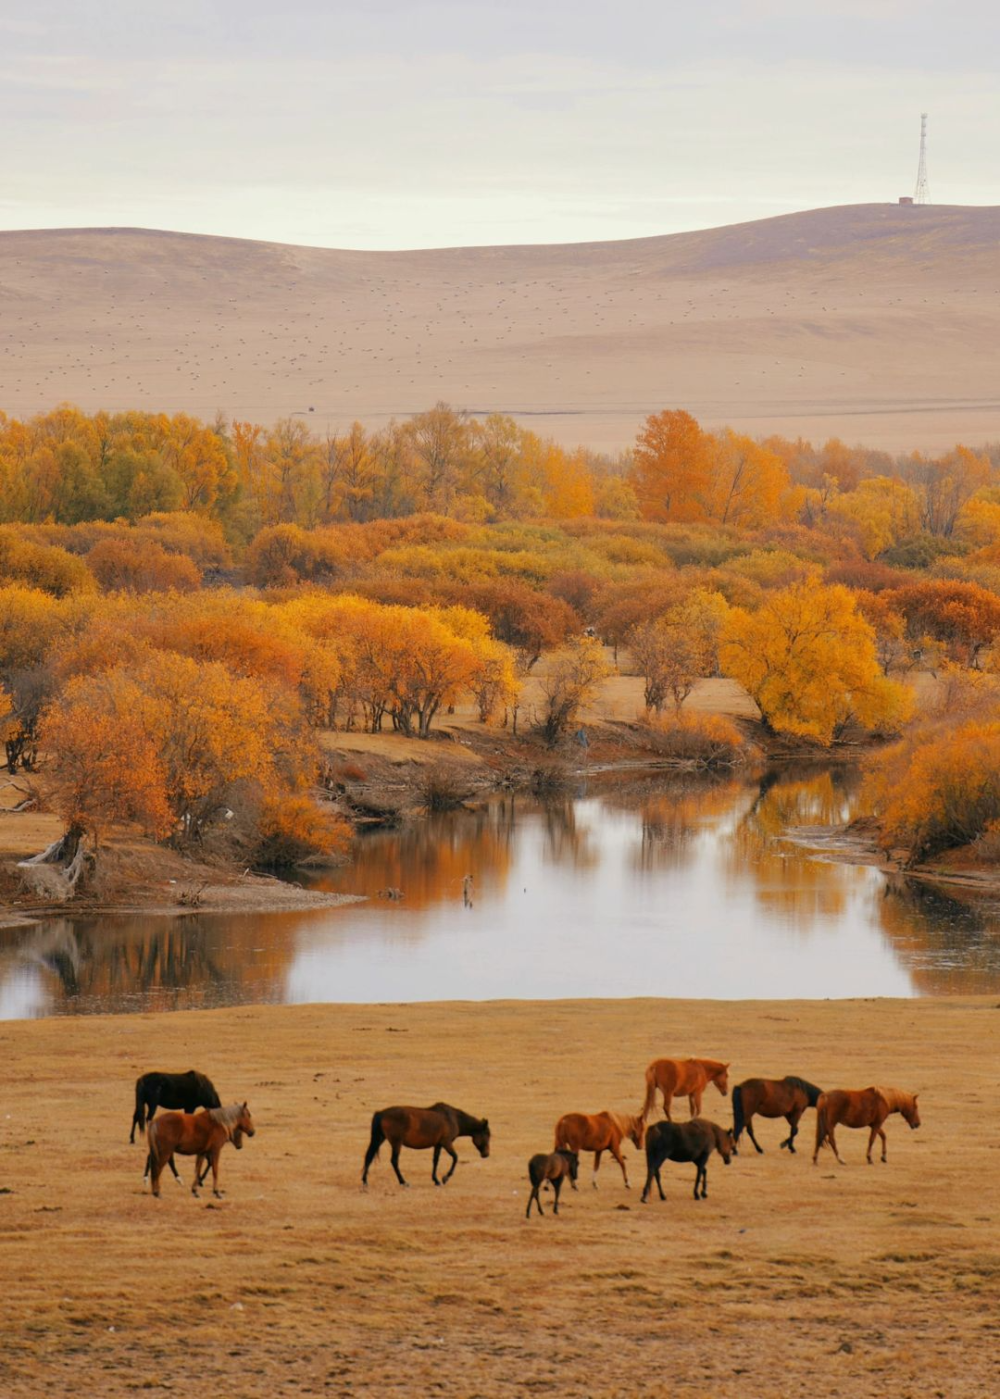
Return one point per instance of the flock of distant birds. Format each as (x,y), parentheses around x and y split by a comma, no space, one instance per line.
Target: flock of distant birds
(184,1130)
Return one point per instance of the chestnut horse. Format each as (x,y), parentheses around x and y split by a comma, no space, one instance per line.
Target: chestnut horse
(421,1128)
(772,1097)
(685,1141)
(554,1167)
(861,1107)
(677,1077)
(201,1135)
(599,1132)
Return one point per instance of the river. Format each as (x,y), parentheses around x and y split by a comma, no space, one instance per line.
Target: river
(629,886)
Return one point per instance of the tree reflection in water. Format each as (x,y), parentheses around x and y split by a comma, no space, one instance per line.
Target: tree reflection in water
(691,870)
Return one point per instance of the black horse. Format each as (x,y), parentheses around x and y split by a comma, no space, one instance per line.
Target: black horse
(182,1092)
(685,1141)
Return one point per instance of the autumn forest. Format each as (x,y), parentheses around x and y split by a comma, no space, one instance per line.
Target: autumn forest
(186,608)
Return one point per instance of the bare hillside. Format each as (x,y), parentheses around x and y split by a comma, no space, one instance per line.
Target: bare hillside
(873,322)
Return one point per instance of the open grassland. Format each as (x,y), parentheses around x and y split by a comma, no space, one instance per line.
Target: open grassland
(789,1279)
(871,322)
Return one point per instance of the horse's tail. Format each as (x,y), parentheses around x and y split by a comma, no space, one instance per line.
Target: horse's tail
(139,1115)
(152,1139)
(820,1120)
(738,1120)
(378,1137)
(650,1102)
(812,1092)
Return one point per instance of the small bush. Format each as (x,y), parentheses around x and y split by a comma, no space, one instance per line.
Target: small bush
(444,787)
(293,829)
(706,740)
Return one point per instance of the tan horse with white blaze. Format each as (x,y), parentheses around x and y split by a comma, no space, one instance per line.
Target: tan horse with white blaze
(599,1132)
(862,1107)
(683,1078)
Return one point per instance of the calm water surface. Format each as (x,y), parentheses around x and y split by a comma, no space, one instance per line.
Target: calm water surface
(656,886)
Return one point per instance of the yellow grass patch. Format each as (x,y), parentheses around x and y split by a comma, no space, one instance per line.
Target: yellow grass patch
(788,1279)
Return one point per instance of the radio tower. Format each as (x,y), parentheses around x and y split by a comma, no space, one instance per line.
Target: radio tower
(922,194)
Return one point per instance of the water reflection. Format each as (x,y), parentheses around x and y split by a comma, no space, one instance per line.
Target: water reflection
(672,886)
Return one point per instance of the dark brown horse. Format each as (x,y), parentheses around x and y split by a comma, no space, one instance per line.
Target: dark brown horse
(772,1097)
(185,1092)
(599,1132)
(422,1128)
(555,1167)
(861,1107)
(685,1141)
(201,1135)
(680,1077)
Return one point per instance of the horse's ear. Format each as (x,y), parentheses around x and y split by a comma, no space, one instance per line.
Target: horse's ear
(486,1121)
(244,1105)
(916,1096)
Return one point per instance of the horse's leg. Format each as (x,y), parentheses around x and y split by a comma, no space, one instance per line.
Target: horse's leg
(533,1196)
(155,1167)
(667,1100)
(881,1132)
(699,1166)
(792,1118)
(214,1158)
(659,1184)
(395,1162)
(434,1168)
(597,1163)
(197,1173)
(616,1153)
(871,1142)
(447,1146)
(556,1187)
(173,1166)
(749,1127)
(833,1143)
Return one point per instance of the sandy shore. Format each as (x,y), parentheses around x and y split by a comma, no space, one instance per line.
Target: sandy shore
(788,1280)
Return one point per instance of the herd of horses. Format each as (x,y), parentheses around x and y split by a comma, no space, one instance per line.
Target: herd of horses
(183,1130)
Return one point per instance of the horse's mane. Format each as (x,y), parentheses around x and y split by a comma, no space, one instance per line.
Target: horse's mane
(809,1089)
(897,1098)
(626,1122)
(227,1117)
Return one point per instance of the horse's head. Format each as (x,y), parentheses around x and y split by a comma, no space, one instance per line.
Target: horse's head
(721,1080)
(725,1144)
(911,1112)
(481,1138)
(637,1131)
(243,1124)
(573,1157)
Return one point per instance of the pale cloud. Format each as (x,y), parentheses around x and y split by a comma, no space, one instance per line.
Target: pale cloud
(428,122)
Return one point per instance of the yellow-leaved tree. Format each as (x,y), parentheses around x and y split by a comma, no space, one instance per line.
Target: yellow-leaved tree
(809,660)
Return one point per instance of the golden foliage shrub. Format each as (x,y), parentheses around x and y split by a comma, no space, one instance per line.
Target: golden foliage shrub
(705,740)
(295,828)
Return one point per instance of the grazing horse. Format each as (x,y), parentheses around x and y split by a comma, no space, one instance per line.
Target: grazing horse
(685,1141)
(861,1107)
(201,1135)
(772,1097)
(420,1128)
(599,1132)
(182,1091)
(555,1167)
(677,1077)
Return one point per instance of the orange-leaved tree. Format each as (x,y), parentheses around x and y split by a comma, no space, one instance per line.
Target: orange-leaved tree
(808,658)
(673,467)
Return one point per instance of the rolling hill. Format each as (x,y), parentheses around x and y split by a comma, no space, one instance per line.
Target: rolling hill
(877,323)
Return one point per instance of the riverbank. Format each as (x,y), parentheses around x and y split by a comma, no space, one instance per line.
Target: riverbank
(787,1280)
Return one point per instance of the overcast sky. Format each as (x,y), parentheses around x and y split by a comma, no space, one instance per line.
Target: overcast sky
(416,123)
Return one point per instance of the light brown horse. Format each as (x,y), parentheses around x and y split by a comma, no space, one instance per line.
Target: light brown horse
(680,1077)
(555,1167)
(421,1129)
(786,1097)
(201,1135)
(599,1132)
(861,1107)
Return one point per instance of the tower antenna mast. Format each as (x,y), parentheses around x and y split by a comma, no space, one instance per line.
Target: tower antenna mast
(922,194)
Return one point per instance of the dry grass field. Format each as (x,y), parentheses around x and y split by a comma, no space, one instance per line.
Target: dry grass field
(787,1280)
(871,322)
